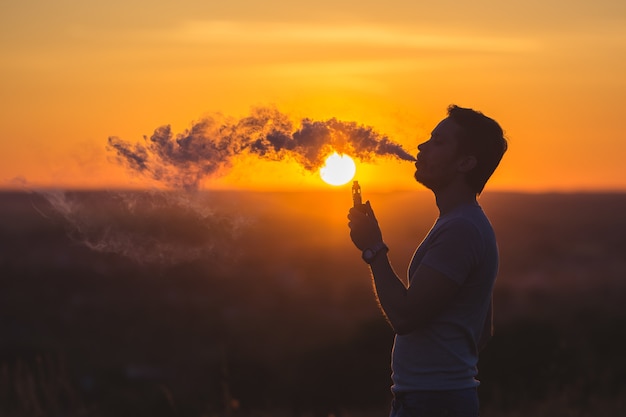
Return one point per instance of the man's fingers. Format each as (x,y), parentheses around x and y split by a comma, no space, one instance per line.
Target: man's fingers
(368,206)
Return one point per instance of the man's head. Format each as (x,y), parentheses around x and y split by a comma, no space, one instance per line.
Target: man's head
(466,143)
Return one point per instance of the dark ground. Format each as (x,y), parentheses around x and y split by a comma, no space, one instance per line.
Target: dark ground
(150,304)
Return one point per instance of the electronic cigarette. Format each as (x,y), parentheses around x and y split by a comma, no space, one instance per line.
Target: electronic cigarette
(356,195)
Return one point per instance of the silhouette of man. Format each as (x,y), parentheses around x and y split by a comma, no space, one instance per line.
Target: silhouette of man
(443,317)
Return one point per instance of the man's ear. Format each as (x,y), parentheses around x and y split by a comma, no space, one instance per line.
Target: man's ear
(467,163)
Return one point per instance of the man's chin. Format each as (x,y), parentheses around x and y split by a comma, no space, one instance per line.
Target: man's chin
(421,180)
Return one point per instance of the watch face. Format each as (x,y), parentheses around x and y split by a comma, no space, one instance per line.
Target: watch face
(368,254)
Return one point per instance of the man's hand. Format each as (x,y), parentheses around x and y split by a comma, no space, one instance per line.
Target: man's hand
(364,230)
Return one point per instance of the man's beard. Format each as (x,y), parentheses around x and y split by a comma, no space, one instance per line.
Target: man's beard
(420,180)
(430,183)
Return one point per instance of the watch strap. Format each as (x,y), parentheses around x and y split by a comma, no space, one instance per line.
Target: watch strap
(370,253)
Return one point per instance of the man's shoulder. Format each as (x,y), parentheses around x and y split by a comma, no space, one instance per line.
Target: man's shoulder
(468,215)
(471,224)
(462,220)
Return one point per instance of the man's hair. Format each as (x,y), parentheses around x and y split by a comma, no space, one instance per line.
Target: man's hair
(481,137)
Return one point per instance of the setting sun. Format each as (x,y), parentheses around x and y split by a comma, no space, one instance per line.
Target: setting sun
(338,170)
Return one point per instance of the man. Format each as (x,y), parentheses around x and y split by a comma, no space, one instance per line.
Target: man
(443,318)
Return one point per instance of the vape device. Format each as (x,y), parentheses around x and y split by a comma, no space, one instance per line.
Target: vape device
(356,195)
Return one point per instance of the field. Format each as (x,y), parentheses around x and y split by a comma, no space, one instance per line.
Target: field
(256,304)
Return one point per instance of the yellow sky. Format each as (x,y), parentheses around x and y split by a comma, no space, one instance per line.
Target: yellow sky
(74,73)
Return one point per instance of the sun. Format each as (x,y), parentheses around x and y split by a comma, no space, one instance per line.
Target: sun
(338,170)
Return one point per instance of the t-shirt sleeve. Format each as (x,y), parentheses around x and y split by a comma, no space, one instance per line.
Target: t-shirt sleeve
(454,250)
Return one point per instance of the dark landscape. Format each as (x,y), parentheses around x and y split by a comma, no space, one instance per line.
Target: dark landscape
(256,304)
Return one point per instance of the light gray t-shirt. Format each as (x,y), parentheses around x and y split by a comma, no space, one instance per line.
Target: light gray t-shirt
(443,354)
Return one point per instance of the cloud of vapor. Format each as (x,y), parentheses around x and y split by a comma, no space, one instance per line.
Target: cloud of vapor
(181,161)
(185,224)
(151,227)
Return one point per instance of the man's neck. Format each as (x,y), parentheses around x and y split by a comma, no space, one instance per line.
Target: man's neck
(453,196)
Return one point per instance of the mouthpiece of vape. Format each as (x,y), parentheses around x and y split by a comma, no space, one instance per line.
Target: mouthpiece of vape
(356,195)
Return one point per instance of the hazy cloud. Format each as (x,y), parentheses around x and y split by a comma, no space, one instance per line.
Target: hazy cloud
(231,31)
(150,227)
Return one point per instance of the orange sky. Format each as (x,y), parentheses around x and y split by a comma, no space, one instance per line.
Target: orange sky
(74,73)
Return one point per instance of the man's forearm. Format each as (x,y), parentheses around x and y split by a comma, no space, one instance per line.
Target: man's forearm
(390,291)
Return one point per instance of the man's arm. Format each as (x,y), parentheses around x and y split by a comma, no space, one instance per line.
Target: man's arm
(407,309)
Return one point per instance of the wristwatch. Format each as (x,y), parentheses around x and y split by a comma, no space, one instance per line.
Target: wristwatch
(370,253)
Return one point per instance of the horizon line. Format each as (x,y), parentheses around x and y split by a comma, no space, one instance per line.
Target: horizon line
(332,189)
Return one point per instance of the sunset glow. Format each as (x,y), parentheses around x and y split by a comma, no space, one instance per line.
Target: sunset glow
(338,169)
(73,76)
